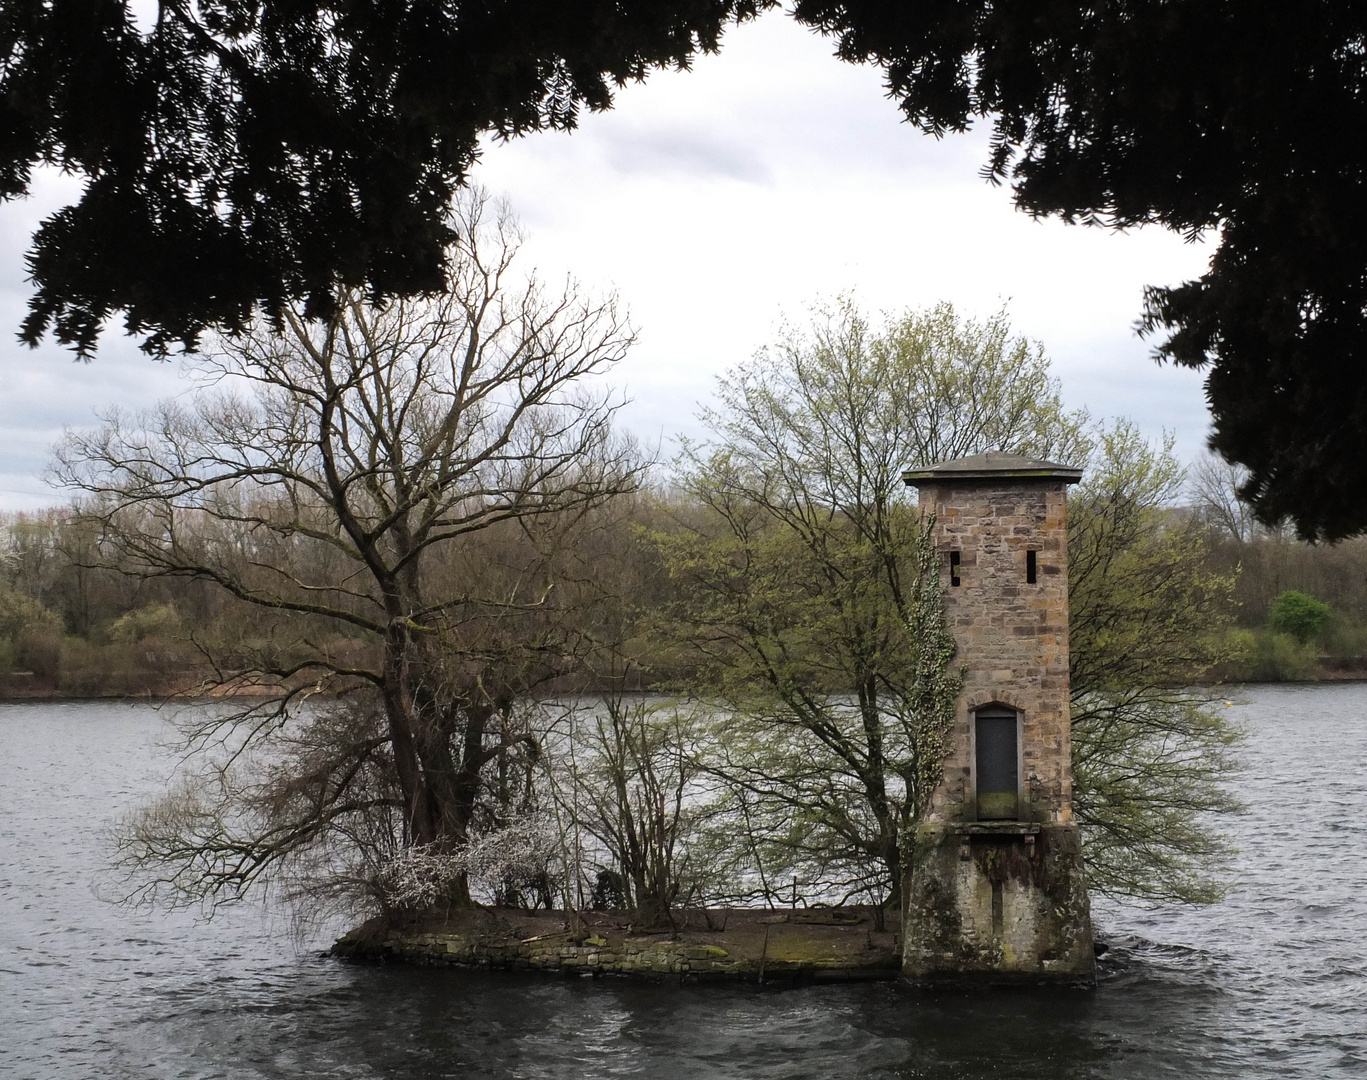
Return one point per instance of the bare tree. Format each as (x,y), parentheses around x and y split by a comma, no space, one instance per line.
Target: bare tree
(632,786)
(1214,487)
(361,483)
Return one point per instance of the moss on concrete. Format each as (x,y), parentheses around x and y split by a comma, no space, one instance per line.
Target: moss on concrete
(998,907)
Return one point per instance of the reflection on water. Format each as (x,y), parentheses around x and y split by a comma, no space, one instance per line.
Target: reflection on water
(1270,983)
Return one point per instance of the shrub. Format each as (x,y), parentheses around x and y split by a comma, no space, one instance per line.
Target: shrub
(100,670)
(21,614)
(160,620)
(39,650)
(1345,638)
(1281,658)
(1301,616)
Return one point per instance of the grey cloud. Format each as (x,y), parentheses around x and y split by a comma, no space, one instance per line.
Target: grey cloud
(680,151)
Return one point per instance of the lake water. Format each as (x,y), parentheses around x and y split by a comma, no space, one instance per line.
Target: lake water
(1270,983)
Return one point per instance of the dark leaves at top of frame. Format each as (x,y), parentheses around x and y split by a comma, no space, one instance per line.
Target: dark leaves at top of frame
(241,153)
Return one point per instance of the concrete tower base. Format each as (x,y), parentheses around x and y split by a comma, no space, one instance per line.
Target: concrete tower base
(989,902)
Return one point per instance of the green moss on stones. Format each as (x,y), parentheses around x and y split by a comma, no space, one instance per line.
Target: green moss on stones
(785,950)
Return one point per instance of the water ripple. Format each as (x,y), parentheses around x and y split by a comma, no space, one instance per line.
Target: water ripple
(1272,982)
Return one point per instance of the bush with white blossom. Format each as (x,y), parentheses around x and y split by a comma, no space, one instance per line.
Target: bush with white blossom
(515,856)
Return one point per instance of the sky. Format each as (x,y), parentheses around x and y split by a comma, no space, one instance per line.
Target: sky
(719,202)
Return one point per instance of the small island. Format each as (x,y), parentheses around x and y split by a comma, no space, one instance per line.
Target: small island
(993,883)
(487,684)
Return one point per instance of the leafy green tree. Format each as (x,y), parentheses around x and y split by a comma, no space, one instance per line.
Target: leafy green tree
(158,620)
(30,635)
(798,589)
(1301,616)
(809,586)
(827,664)
(21,614)
(1147,622)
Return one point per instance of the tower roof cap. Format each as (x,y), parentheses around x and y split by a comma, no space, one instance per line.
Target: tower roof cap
(993,465)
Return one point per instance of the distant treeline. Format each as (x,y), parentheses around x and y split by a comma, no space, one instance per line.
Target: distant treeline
(77,620)
(71,625)
(1268,563)
(1271,565)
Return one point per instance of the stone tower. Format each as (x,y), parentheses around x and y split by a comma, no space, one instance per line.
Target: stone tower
(994,885)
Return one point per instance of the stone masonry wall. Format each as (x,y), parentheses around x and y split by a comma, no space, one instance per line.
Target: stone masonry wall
(591,956)
(764,947)
(1012,636)
(1002,899)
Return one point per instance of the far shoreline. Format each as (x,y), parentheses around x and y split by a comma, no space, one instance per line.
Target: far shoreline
(166,697)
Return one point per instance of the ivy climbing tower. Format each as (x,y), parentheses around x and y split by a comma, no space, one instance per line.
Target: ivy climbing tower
(995,883)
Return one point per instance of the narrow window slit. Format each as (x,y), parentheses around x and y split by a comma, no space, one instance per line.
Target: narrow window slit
(954,568)
(1030,567)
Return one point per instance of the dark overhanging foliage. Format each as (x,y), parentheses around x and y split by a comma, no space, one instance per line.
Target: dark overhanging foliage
(1233,116)
(245,153)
